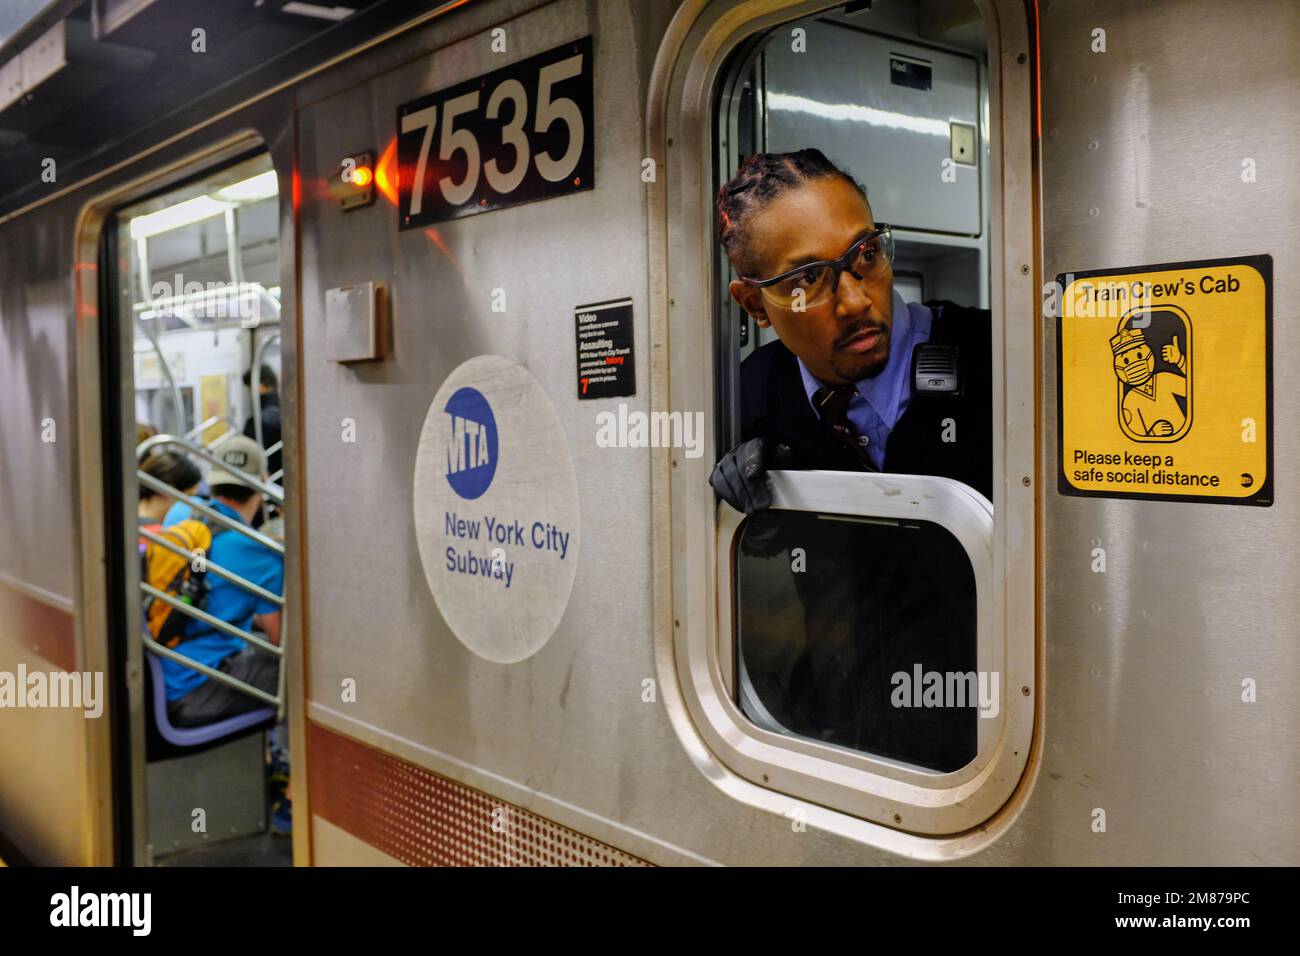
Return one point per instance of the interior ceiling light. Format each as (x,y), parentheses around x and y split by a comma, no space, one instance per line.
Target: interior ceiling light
(856,113)
(262,186)
(318,11)
(174,217)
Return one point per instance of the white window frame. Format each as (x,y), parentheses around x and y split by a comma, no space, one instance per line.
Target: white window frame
(877,801)
(957,508)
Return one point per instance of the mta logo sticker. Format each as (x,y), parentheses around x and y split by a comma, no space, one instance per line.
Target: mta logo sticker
(497,521)
(472,450)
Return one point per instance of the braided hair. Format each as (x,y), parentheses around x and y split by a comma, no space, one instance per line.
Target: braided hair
(761,178)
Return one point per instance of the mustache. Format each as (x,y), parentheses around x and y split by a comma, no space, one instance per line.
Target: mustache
(857,329)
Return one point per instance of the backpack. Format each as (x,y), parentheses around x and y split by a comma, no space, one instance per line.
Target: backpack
(175,576)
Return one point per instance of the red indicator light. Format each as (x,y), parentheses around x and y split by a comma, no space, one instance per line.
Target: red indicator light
(362,177)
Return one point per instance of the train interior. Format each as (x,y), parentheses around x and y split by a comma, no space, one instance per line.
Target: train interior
(197,320)
(895,92)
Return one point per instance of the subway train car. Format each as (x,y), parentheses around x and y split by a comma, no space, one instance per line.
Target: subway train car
(469,253)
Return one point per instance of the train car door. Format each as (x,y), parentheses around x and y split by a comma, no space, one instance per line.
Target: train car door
(195,508)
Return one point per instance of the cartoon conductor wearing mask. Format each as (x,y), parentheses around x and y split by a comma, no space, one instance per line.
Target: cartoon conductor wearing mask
(1149,409)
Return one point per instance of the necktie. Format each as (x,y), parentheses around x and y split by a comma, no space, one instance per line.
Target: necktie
(833,406)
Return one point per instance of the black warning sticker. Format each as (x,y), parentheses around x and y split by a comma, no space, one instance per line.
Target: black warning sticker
(606,362)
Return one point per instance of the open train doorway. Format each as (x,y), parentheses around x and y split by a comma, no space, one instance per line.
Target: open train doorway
(192,343)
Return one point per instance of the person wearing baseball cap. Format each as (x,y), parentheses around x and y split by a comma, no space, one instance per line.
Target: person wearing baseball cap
(193,699)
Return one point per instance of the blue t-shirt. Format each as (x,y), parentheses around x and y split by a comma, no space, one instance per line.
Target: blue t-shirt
(205,644)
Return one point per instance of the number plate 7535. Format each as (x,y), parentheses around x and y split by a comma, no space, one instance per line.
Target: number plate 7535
(520,133)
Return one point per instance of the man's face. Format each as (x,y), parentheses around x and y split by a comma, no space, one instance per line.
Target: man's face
(845,336)
(1135,365)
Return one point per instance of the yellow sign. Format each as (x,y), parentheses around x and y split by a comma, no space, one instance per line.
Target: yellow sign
(1165,378)
(214,400)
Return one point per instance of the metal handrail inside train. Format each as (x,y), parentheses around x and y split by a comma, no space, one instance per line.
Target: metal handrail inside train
(158,441)
(173,389)
(153,647)
(238,290)
(216,569)
(197,505)
(193,439)
(221,439)
(150,307)
(196,613)
(199,614)
(199,429)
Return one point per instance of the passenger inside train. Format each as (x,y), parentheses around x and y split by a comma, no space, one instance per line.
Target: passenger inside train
(192,699)
(175,470)
(268,396)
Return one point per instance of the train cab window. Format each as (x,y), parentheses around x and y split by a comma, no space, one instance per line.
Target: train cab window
(197,295)
(854,362)
(822,648)
(865,642)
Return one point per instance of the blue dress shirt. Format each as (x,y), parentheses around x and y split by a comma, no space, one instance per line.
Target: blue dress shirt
(882,399)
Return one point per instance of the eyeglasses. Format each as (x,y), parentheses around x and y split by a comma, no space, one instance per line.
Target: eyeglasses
(868,258)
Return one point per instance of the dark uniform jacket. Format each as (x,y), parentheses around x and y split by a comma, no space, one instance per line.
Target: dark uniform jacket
(270,429)
(877,600)
(775,406)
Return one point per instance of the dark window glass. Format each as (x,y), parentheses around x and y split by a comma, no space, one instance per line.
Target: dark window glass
(830,608)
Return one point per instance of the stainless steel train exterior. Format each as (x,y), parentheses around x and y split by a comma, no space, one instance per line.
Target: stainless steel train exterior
(604,745)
